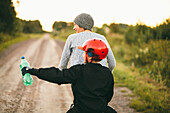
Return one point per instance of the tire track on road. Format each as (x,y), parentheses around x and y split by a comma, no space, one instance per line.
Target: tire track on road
(52,97)
(28,102)
(13,99)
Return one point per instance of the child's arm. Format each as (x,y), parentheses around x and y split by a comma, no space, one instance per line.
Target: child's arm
(55,75)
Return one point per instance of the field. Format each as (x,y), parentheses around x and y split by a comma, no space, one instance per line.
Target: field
(150,96)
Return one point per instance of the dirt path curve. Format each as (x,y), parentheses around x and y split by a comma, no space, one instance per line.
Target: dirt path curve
(41,96)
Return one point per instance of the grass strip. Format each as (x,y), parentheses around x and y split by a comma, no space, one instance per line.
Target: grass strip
(16,39)
(150,98)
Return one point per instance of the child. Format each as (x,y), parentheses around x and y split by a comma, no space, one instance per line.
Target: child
(92,83)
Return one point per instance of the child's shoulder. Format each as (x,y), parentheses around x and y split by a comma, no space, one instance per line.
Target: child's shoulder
(105,69)
(78,66)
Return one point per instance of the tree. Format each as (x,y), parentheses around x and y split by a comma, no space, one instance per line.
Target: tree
(114,28)
(7,16)
(162,31)
(31,26)
(99,30)
(59,25)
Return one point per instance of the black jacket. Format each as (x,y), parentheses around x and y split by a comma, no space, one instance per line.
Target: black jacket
(92,84)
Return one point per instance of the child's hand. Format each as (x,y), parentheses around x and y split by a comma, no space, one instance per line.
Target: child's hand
(25,70)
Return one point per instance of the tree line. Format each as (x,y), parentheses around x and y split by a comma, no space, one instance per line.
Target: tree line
(10,24)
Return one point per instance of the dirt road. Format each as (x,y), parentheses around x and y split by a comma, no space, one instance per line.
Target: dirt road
(41,96)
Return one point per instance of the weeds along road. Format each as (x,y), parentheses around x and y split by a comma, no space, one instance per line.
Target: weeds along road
(41,96)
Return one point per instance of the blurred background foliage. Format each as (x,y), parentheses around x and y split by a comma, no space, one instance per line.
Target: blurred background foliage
(11,26)
(152,49)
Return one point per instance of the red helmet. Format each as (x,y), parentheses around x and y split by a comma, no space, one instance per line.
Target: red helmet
(97,48)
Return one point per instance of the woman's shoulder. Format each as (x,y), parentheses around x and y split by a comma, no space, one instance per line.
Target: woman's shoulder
(86,34)
(97,35)
(72,35)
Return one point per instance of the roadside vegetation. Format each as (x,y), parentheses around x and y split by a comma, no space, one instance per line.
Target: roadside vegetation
(151,93)
(12,29)
(142,55)
(61,30)
(16,39)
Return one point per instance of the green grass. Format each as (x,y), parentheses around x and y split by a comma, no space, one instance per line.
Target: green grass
(123,91)
(62,35)
(152,96)
(138,105)
(15,39)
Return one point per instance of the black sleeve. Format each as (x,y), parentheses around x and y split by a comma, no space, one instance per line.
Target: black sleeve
(55,75)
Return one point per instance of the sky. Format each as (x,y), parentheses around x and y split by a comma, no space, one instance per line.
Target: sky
(149,12)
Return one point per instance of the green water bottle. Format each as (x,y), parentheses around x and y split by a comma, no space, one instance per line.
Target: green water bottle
(27,78)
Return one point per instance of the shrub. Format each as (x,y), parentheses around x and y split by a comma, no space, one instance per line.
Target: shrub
(99,30)
(138,34)
(155,59)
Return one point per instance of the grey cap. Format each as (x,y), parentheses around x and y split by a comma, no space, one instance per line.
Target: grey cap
(85,21)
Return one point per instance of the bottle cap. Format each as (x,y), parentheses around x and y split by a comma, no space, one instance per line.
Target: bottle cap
(22,57)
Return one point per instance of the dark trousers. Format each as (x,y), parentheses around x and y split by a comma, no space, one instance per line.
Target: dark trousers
(74,109)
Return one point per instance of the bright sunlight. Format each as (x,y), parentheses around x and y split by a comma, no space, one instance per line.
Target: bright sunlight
(149,12)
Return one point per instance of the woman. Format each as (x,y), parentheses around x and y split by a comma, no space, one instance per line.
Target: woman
(83,25)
